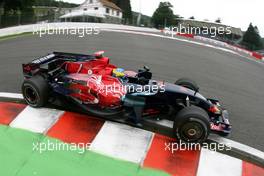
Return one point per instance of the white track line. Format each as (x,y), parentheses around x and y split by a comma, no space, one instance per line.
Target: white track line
(122,142)
(11,95)
(217,164)
(237,145)
(36,120)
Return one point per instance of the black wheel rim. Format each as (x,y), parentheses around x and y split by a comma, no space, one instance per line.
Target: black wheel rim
(31,95)
(192,132)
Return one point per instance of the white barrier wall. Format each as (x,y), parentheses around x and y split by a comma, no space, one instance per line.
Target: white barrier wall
(69,25)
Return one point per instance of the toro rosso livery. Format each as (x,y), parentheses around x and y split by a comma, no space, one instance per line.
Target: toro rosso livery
(104,90)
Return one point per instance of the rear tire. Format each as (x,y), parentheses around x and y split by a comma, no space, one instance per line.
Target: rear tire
(188,83)
(191,125)
(35,91)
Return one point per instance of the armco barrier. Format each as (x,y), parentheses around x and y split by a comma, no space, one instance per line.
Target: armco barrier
(176,33)
(186,35)
(257,55)
(236,48)
(216,42)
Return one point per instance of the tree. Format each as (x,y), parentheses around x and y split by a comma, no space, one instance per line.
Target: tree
(54,3)
(127,10)
(251,39)
(26,5)
(21,5)
(192,18)
(163,16)
(16,12)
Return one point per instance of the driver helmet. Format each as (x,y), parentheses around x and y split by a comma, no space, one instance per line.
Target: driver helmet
(119,72)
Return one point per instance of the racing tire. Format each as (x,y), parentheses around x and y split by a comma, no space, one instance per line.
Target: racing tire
(191,125)
(35,91)
(188,83)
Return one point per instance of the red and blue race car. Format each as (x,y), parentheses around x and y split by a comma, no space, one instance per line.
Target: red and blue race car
(105,90)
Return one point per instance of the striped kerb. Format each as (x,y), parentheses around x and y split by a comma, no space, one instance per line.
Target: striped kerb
(176,163)
(217,164)
(251,169)
(76,128)
(122,142)
(9,111)
(36,120)
(116,149)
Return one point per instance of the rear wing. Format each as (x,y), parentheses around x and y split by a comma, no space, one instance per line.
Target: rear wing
(51,62)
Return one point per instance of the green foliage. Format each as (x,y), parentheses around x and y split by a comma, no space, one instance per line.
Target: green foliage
(53,3)
(21,5)
(26,5)
(126,7)
(251,39)
(163,16)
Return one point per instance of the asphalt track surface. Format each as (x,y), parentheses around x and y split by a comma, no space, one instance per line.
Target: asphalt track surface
(237,82)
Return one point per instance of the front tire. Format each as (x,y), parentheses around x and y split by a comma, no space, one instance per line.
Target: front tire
(188,83)
(35,91)
(191,125)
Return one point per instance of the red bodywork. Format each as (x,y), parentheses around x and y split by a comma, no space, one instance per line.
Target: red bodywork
(94,83)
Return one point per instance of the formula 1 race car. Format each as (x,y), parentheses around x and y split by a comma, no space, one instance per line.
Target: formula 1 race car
(104,90)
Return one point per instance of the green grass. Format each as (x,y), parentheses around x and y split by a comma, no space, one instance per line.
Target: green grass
(15,36)
(17,158)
